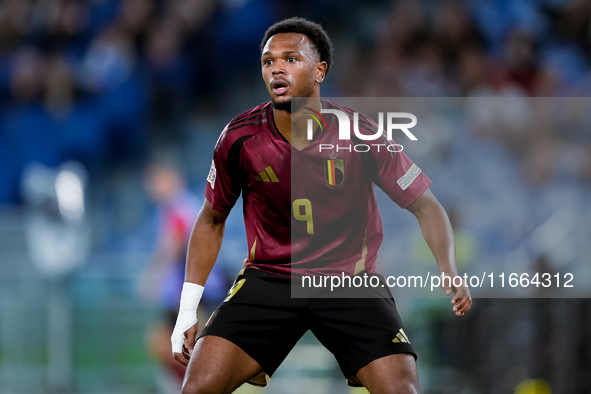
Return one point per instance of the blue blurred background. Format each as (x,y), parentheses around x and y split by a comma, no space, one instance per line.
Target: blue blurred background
(99,90)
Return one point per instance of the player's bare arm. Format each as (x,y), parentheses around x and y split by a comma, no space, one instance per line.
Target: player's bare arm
(204,247)
(438,233)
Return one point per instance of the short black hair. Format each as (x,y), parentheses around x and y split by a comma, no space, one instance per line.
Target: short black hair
(314,31)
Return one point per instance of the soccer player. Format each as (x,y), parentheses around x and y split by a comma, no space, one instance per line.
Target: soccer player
(305,214)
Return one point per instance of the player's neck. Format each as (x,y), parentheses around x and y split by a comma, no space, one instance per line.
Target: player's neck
(293,126)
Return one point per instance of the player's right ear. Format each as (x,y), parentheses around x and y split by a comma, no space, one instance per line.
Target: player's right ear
(321,71)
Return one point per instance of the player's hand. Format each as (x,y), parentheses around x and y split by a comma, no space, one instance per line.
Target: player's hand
(462,300)
(185,328)
(183,336)
(188,345)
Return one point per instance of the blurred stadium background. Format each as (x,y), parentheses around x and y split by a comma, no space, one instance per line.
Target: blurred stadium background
(92,90)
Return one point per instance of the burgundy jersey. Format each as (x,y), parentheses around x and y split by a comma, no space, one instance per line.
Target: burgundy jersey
(311,211)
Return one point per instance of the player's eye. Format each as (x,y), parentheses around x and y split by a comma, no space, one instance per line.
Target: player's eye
(291,59)
(267,62)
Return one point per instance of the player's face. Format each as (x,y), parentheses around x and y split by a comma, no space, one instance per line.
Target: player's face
(291,68)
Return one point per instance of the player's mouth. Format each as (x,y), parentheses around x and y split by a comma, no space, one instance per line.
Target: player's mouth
(279,86)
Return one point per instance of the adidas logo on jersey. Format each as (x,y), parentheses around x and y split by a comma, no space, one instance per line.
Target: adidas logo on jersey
(267,176)
(401,337)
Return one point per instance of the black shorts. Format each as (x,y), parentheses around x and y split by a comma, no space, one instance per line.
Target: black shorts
(260,316)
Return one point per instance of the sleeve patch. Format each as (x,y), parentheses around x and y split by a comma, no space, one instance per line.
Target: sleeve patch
(211,176)
(407,179)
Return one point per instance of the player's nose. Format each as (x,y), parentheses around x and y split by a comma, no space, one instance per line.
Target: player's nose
(278,68)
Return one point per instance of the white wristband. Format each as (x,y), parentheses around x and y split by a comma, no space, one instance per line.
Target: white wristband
(187,317)
(191,295)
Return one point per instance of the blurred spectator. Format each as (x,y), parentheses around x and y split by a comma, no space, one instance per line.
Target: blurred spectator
(521,60)
(190,15)
(110,71)
(67,23)
(16,22)
(163,278)
(109,60)
(135,16)
(171,77)
(473,71)
(59,88)
(26,127)
(177,210)
(453,31)
(26,81)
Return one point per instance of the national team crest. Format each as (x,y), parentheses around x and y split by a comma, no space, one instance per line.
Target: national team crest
(334,171)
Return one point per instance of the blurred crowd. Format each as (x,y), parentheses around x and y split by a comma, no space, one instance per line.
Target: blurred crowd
(506,49)
(78,78)
(460,48)
(103,81)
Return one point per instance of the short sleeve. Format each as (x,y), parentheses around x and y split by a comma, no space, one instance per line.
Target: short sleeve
(225,177)
(394,172)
